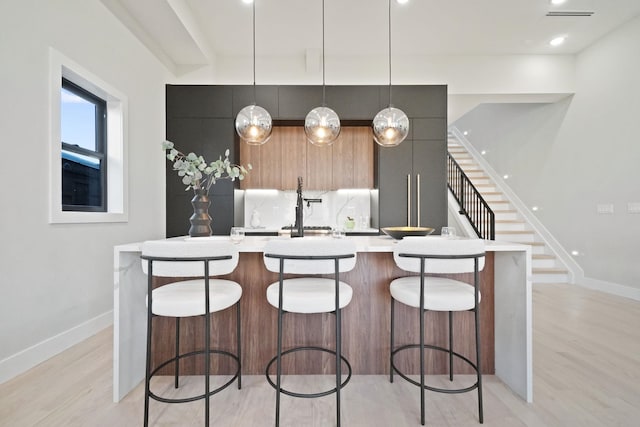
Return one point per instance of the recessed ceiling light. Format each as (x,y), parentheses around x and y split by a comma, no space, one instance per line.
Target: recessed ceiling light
(402,1)
(505,176)
(557,2)
(247,1)
(557,41)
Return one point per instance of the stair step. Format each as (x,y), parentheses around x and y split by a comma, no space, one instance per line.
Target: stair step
(516,238)
(514,232)
(543,263)
(543,256)
(510,224)
(549,271)
(505,215)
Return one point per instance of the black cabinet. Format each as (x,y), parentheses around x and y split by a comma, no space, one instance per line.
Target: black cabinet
(412,176)
(412,184)
(200,120)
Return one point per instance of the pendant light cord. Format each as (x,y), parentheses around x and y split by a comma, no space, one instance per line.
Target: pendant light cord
(254,52)
(323,81)
(390,53)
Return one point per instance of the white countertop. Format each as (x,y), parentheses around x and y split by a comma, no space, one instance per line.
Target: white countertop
(363,243)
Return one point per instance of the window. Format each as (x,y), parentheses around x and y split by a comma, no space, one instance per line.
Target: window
(87,143)
(83,118)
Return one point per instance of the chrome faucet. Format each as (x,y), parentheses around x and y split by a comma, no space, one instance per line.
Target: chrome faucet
(298,229)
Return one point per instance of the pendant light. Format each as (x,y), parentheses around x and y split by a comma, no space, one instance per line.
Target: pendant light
(322,124)
(391,125)
(253,123)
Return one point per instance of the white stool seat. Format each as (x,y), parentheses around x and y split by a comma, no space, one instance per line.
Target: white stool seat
(441,294)
(309,295)
(187,298)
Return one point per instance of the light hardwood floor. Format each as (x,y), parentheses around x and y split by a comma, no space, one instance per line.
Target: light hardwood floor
(586,373)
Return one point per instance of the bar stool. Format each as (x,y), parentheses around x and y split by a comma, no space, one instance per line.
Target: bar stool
(186,298)
(309,294)
(437,255)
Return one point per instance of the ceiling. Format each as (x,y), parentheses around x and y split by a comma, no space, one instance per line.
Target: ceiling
(196,32)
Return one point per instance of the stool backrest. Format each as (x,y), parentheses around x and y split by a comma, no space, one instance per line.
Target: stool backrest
(309,247)
(439,246)
(178,250)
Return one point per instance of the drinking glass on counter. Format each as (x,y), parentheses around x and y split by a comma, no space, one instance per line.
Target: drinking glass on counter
(338,233)
(237,234)
(448,232)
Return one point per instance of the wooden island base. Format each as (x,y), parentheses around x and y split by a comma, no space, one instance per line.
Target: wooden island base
(365,326)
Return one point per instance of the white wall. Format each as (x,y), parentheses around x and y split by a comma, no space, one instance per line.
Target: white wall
(571,156)
(56,280)
(480,74)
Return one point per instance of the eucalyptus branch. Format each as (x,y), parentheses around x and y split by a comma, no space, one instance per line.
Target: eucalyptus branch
(197,174)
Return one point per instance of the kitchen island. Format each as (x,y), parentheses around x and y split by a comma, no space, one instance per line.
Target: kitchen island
(505,318)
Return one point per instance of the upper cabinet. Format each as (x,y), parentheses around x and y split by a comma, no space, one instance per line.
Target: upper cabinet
(347,163)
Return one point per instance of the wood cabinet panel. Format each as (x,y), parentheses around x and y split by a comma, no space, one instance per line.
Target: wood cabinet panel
(294,155)
(348,163)
(343,159)
(363,146)
(319,167)
(365,325)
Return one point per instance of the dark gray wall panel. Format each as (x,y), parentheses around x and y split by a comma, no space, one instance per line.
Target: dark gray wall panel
(429,128)
(294,102)
(266,97)
(418,101)
(353,102)
(221,221)
(199,101)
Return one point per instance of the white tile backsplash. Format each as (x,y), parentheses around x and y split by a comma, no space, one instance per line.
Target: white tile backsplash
(273,209)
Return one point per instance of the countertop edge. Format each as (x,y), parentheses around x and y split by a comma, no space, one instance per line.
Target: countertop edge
(363,244)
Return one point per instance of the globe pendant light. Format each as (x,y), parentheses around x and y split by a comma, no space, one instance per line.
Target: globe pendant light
(253,123)
(391,125)
(322,124)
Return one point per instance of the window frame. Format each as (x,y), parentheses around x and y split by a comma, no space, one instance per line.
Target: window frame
(116,185)
(99,153)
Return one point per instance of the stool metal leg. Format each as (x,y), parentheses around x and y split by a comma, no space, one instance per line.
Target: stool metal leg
(338,346)
(279,355)
(147,377)
(177,364)
(207,345)
(451,346)
(239,344)
(393,306)
(422,313)
(480,411)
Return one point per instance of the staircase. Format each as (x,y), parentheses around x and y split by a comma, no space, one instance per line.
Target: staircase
(510,226)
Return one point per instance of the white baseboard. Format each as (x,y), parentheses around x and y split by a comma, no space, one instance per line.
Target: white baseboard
(26,359)
(611,288)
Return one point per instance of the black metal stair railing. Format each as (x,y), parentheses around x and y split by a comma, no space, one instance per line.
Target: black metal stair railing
(471,202)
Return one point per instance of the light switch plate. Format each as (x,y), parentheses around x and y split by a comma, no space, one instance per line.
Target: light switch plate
(605,208)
